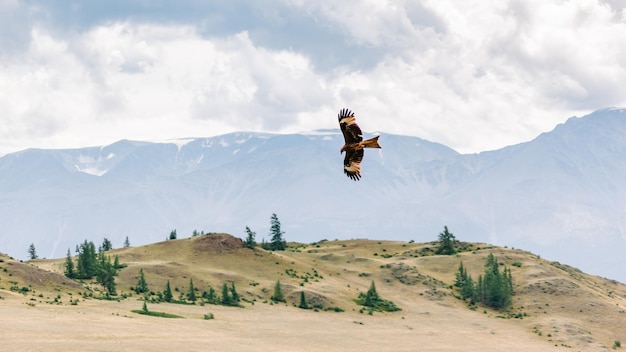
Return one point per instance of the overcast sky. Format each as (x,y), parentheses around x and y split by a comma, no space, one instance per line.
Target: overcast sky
(474,75)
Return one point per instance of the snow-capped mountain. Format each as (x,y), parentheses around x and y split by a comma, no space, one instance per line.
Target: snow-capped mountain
(561,195)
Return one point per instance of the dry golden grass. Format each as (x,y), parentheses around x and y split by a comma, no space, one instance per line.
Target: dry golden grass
(561,306)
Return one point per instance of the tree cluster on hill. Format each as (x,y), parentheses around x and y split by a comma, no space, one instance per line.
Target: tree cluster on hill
(494,288)
(372,300)
(277,241)
(91,264)
(229,296)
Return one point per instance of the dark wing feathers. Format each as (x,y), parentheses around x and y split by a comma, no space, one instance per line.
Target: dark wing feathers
(352,163)
(351,131)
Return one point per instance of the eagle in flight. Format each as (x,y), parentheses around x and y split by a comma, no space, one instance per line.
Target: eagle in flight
(354,144)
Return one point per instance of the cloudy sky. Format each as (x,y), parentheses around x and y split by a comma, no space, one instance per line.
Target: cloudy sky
(475,75)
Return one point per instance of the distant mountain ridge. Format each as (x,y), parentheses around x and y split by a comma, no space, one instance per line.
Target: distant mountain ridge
(562,195)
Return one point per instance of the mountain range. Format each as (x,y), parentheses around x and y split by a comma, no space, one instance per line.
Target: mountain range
(561,195)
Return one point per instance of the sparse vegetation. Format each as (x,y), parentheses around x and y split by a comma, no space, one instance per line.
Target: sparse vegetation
(414,272)
(145,311)
(372,300)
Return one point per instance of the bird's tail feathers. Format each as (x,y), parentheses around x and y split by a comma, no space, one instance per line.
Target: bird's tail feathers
(371,143)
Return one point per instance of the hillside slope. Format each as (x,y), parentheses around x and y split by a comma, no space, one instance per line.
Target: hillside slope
(554,305)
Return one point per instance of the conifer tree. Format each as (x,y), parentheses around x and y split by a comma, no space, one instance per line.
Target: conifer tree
(277,243)
(226,299)
(105,273)
(234,295)
(191,294)
(69,266)
(303,303)
(32,253)
(249,242)
(278,295)
(446,242)
(142,285)
(87,266)
(167,294)
(106,245)
(371,297)
(126,242)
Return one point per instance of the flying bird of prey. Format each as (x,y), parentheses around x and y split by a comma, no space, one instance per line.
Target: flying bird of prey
(354,144)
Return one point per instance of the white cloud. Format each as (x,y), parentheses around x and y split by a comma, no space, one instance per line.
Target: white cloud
(473,75)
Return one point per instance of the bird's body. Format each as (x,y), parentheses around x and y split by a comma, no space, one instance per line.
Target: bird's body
(354,144)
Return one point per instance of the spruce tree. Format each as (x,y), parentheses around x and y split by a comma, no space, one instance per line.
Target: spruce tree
(303,303)
(105,273)
(191,294)
(371,297)
(234,295)
(249,241)
(277,243)
(142,285)
(106,245)
(446,242)
(87,266)
(167,294)
(226,299)
(210,296)
(278,295)
(32,253)
(69,266)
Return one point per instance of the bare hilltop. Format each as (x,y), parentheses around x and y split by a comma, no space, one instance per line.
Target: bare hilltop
(554,307)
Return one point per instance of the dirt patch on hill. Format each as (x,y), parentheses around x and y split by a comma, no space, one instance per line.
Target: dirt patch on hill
(216,242)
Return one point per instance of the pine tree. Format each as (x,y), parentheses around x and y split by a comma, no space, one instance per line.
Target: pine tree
(250,241)
(278,295)
(226,299)
(210,296)
(495,287)
(303,303)
(126,242)
(87,266)
(191,294)
(142,285)
(69,266)
(234,295)
(32,253)
(446,242)
(105,273)
(167,294)
(106,245)
(278,242)
(371,297)
(173,234)
(460,276)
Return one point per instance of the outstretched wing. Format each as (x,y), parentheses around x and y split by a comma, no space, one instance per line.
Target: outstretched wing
(351,131)
(352,163)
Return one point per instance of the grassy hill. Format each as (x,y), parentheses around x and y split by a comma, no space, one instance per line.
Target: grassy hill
(555,307)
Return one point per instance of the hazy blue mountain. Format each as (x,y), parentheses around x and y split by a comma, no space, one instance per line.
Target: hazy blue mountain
(561,195)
